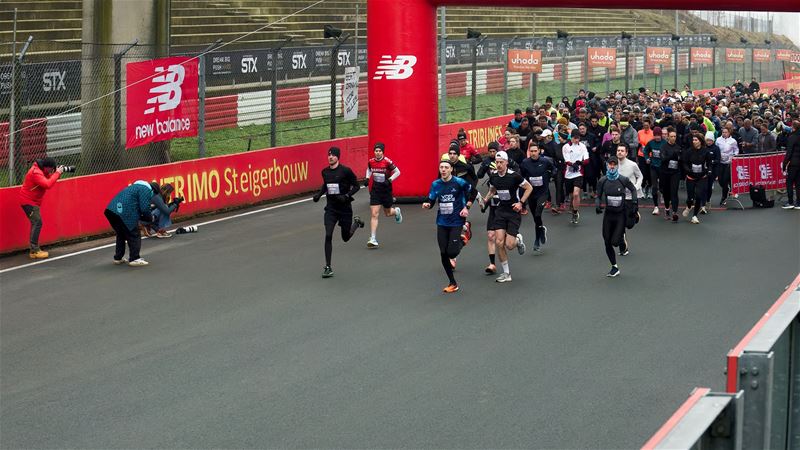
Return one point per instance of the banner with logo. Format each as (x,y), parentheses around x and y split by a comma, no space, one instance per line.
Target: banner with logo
(763,169)
(701,55)
(762,55)
(161,100)
(795,57)
(525,61)
(602,57)
(350,93)
(734,55)
(783,54)
(658,55)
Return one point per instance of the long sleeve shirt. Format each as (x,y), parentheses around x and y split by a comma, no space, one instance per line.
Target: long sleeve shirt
(631,171)
(728,148)
(614,192)
(132,203)
(339,185)
(35,185)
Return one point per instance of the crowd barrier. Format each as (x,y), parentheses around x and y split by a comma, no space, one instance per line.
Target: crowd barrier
(73,208)
(761,405)
(762,169)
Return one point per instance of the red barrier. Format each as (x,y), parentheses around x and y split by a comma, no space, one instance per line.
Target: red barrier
(34,140)
(74,207)
(761,169)
(221,112)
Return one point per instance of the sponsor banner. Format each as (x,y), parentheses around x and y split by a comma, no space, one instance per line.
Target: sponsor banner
(525,61)
(765,86)
(794,57)
(764,170)
(602,57)
(783,55)
(702,55)
(791,75)
(734,55)
(48,82)
(350,93)
(208,184)
(479,133)
(762,55)
(161,100)
(659,55)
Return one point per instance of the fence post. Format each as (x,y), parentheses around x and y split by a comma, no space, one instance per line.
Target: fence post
(443,69)
(118,96)
(713,62)
(627,41)
(273,100)
(505,75)
(477,41)
(675,39)
(16,171)
(564,68)
(201,99)
(586,70)
(689,66)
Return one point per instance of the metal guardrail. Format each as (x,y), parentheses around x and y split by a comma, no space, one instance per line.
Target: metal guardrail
(761,408)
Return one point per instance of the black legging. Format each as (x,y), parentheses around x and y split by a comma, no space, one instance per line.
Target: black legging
(725,180)
(711,179)
(449,239)
(613,233)
(536,207)
(669,183)
(348,228)
(644,168)
(559,180)
(793,180)
(124,235)
(696,193)
(655,179)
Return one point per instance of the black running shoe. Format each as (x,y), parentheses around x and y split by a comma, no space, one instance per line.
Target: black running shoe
(613,272)
(358,221)
(543,238)
(327,272)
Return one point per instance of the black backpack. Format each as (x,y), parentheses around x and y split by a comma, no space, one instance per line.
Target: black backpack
(759,197)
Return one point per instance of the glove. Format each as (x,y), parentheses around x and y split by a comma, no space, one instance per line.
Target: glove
(316,197)
(177,201)
(598,210)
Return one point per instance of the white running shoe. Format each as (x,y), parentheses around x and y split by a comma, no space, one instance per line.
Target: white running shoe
(503,278)
(520,244)
(398,215)
(655,211)
(117,262)
(685,212)
(138,263)
(695,220)
(703,210)
(372,243)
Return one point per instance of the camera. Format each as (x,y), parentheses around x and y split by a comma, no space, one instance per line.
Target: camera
(68,169)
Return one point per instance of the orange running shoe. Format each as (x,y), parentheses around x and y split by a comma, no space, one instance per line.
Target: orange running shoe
(450,289)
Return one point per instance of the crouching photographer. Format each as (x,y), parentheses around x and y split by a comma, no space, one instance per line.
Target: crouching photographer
(161,208)
(124,212)
(42,175)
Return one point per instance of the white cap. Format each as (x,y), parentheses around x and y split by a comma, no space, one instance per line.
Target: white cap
(710,136)
(501,155)
(546,133)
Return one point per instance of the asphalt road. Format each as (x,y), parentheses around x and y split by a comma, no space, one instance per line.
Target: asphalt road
(230,338)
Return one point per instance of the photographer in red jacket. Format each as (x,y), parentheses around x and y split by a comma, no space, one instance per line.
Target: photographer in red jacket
(41,177)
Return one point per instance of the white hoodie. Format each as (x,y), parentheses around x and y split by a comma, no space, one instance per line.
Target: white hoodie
(630,169)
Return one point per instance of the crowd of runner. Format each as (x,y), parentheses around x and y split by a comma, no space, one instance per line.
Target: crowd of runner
(623,151)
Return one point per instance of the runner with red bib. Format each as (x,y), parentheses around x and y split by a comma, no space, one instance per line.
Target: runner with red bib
(381,172)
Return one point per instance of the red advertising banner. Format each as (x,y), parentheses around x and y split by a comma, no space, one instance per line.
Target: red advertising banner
(658,55)
(525,61)
(734,55)
(762,55)
(764,170)
(602,57)
(208,184)
(795,57)
(783,55)
(702,55)
(161,100)
(791,75)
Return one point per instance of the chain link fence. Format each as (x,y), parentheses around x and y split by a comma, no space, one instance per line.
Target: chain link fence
(74,110)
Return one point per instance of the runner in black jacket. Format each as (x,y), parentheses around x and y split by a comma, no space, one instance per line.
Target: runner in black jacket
(538,170)
(613,186)
(697,163)
(670,174)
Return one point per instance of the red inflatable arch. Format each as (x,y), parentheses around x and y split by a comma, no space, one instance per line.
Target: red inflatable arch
(402,83)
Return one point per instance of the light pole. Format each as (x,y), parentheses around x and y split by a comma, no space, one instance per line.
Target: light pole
(713,40)
(563,36)
(744,62)
(675,39)
(477,39)
(505,75)
(329,31)
(626,39)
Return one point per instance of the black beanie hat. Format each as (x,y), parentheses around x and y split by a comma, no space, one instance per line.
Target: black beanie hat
(380,145)
(454,145)
(494,145)
(46,162)
(335,152)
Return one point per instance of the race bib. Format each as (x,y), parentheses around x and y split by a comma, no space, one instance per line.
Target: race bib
(614,200)
(446,208)
(378,177)
(673,164)
(656,153)
(536,181)
(697,168)
(333,188)
(504,194)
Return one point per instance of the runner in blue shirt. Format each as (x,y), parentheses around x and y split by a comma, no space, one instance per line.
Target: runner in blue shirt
(451,193)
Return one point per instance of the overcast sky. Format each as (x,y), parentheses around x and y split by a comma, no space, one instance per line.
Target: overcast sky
(788,24)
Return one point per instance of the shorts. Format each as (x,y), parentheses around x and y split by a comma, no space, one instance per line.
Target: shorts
(343,217)
(571,183)
(506,219)
(381,197)
(490,219)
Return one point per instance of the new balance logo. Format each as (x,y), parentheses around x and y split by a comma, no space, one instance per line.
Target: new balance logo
(743,172)
(399,68)
(766,171)
(168,91)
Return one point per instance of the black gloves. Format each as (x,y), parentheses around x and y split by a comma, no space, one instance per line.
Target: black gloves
(316,197)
